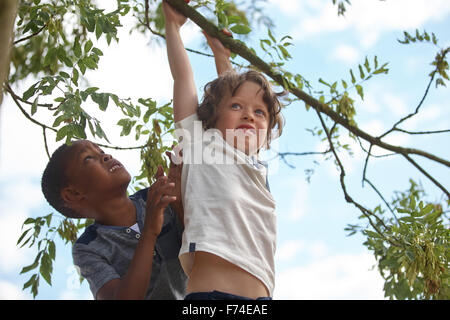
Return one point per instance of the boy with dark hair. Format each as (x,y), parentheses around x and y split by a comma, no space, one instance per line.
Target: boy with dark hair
(131,250)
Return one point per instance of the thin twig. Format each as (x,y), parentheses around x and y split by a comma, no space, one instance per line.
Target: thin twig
(382,198)
(31,35)
(422,132)
(415,112)
(8,88)
(45,143)
(283,155)
(120,148)
(427,175)
(367,213)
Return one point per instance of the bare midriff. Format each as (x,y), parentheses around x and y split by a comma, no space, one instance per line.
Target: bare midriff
(210,272)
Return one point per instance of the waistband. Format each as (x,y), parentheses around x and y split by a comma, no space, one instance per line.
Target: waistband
(219,295)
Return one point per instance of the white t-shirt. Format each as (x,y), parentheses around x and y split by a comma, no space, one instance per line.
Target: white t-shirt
(228,209)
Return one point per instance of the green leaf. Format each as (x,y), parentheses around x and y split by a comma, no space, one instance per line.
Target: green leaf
(428,208)
(63,132)
(89,62)
(30,92)
(30,281)
(234,19)
(359,89)
(373,234)
(88,45)
(50,56)
(101,99)
(31,266)
(285,53)
(271,36)
(23,236)
(97,51)
(361,72)
(98,29)
(75,76)
(51,249)
(240,29)
(126,124)
(46,268)
(353,76)
(366,64)
(77,48)
(34,106)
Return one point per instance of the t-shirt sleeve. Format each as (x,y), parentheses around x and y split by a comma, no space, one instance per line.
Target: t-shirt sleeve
(187,129)
(93,267)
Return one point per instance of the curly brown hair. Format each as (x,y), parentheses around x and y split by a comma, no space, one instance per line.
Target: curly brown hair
(230,82)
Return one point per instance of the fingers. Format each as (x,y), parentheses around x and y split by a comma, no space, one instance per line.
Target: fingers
(159,172)
(175,158)
(227,32)
(164,202)
(159,191)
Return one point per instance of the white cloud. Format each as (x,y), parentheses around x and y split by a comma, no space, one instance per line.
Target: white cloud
(395,104)
(288,7)
(342,276)
(370,18)
(9,291)
(12,258)
(288,250)
(374,127)
(299,204)
(291,249)
(346,53)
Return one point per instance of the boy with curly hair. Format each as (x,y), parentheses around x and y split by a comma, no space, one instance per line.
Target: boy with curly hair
(228,244)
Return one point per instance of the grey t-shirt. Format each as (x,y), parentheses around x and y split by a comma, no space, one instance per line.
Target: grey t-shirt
(103,253)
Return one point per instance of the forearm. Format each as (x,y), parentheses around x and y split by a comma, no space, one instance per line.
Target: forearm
(223,64)
(184,92)
(134,284)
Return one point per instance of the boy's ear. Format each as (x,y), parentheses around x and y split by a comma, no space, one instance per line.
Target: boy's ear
(71,196)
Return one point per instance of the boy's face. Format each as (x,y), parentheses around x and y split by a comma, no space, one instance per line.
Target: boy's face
(243,119)
(93,174)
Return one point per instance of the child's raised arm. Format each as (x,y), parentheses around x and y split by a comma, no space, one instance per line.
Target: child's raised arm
(221,54)
(185,101)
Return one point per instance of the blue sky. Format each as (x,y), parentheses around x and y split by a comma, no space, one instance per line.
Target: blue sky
(315,259)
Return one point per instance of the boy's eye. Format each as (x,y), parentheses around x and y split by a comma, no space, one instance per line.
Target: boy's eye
(87,158)
(235,106)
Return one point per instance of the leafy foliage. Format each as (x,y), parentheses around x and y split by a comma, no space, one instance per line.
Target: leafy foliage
(412,250)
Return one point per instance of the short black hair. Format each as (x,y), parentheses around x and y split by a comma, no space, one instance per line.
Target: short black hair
(54,179)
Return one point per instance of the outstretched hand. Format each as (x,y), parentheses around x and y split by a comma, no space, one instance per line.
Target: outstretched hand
(217,47)
(221,54)
(159,195)
(173,16)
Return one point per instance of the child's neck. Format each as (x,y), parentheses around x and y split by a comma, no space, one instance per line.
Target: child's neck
(119,211)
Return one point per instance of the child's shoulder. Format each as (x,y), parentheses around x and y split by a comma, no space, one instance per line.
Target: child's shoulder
(89,234)
(140,195)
